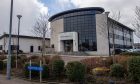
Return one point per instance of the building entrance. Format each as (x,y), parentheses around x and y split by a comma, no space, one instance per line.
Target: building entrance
(68,42)
(68,45)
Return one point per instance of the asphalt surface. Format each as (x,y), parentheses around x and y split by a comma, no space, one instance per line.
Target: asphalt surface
(14,80)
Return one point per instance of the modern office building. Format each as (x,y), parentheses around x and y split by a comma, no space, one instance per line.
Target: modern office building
(27,44)
(88,30)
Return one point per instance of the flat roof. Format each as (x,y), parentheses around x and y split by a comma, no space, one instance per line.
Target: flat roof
(77,10)
(22,36)
(121,24)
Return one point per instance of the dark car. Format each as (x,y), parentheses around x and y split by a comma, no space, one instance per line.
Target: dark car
(118,51)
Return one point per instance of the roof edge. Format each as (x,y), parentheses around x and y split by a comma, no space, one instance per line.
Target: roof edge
(22,36)
(75,10)
(122,24)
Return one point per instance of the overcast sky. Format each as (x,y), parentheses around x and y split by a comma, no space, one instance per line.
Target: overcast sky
(30,10)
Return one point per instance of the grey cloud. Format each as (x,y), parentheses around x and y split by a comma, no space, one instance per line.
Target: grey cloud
(29,9)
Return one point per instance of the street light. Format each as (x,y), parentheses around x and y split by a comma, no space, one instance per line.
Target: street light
(19,17)
(9,46)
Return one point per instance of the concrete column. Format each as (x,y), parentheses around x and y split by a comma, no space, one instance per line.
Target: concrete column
(75,42)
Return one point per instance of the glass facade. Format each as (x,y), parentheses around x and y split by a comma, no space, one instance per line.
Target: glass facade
(84,24)
(123,37)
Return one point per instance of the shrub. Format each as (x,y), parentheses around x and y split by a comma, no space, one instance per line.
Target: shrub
(56,57)
(34,59)
(45,72)
(130,54)
(13,60)
(53,65)
(123,60)
(57,68)
(100,71)
(33,72)
(134,69)
(22,61)
(47,59)
(96,62)
(117,70)
(75,71)
(1,65)
(90,79)
(2,57)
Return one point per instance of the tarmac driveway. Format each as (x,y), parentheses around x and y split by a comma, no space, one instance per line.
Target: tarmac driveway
(14,80)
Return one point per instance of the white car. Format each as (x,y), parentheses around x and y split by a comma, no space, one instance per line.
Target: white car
(133,50)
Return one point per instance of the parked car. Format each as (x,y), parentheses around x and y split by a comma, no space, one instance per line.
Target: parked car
(133,50)
(118,51)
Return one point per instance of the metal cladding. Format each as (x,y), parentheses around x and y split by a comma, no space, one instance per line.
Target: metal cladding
(99,9)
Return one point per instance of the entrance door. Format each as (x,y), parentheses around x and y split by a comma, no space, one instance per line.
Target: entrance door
(68,45)
(31,48)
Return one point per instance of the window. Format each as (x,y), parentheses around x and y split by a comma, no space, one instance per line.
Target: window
(52,46)
(85,26)
(0,47)
(39,48)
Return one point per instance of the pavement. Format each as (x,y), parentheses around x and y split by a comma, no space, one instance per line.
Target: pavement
(14,80)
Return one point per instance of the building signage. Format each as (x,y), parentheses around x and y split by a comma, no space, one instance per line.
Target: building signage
(67,36)
(36,68)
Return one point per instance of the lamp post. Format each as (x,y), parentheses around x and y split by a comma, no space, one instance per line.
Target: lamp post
(19,17)
(9,46)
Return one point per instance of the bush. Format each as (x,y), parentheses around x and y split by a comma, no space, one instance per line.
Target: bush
(117,70)
(1,65)
(130,54)
(34,74)
(57,68)
(2,57)
(34,59)
(96,62)
(123,60)
(23,59)
(13,60)
(90,79)
(47,59)
(134,69)
(45,72)
(56,57)
(75,71)
(100,71)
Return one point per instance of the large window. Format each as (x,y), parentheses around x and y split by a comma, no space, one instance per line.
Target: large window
(123,37)
(85,26)
(0,47)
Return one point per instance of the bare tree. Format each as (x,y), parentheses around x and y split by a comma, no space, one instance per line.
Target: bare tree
(4,43)
(136,23)
(40,29)
(113,22)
